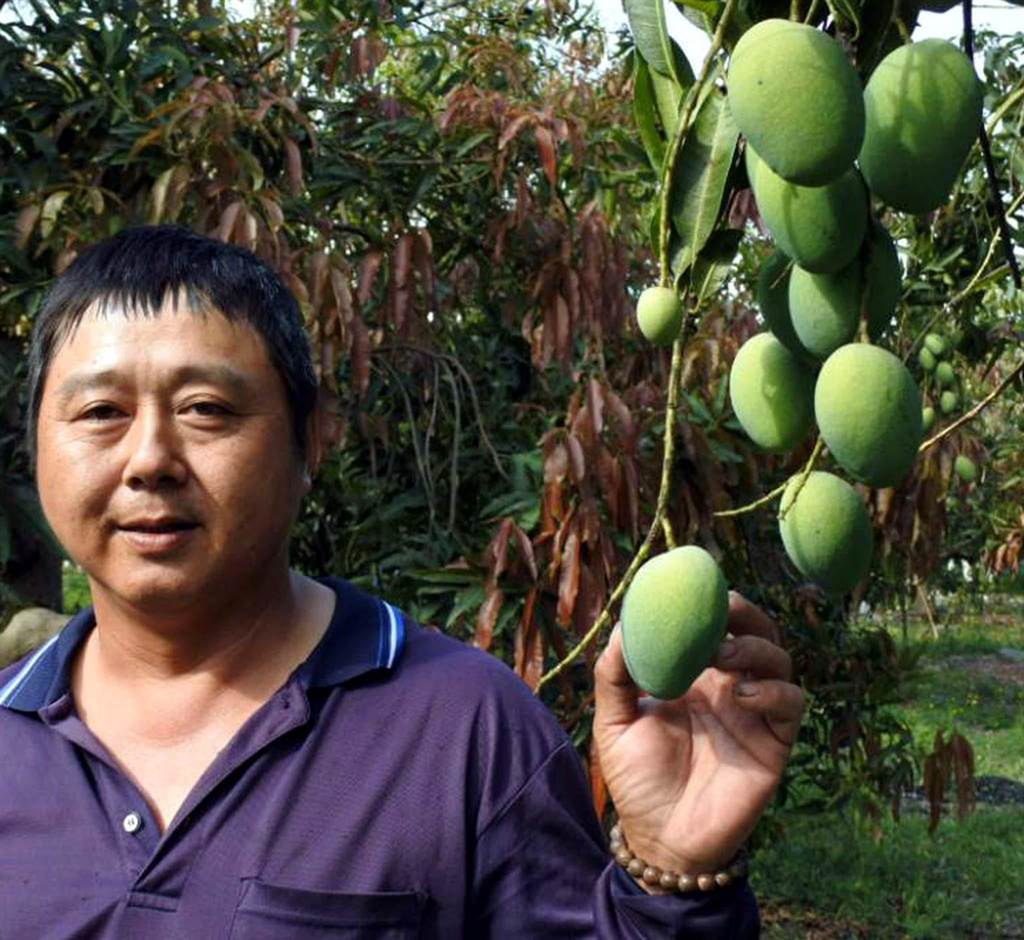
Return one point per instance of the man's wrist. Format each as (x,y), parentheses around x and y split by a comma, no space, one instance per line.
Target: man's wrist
(668,879)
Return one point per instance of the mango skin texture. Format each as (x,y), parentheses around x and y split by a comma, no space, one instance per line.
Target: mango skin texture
(673,619)
(796,98)
(868,409)
(660,315)
(826,532)
(825,307)
(820,227)
(923,106)
(773,302)
(772,393)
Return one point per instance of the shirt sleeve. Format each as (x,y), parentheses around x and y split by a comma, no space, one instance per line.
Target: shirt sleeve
(541,869)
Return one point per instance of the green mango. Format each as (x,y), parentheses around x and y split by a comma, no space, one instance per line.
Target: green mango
(659,315)
(796,97)
(820,227)
(923,106)
(673,620)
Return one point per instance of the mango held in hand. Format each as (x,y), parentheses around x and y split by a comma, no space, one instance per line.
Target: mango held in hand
(673,619)
(826,531)
(660,315)
(796,97)
(772,393)
(923,110)
(869,413)
(820,227)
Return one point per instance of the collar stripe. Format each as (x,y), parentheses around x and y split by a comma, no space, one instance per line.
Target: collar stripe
(14,686)
(396,635)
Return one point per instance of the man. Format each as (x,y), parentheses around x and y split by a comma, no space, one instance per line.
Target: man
(223,747)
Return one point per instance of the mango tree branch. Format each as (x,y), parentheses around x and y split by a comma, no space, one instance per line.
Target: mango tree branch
(779,490)
(604,618)
(682,129)
(975,411)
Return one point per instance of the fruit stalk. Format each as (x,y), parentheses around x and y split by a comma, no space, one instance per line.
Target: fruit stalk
(778,491)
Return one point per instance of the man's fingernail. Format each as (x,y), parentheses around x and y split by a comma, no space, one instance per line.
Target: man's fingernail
(727,650)
(746,689)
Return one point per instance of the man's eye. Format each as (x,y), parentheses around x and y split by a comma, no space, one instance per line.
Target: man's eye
(207,409)
(101,413)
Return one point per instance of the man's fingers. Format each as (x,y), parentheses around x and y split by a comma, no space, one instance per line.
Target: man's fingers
(781,704)
(755,655)
(747,618)
(615,692)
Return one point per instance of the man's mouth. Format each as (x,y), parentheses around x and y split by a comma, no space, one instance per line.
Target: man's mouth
(158,527)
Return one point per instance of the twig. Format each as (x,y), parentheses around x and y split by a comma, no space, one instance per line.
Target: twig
(640,557)
(812,12)
(990,166)
(975,411)
(682,129)
(794,10)
(778,491)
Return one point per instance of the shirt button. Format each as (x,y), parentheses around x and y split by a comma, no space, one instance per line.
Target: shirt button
(132,823)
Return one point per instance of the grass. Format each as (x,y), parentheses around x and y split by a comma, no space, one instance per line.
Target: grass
(829,880)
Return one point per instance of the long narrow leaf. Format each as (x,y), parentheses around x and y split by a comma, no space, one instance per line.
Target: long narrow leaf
(650,33)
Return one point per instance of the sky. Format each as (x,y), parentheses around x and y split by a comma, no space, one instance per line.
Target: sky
(997,15)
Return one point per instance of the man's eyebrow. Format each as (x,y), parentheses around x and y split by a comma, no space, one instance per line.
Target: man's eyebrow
(213,373)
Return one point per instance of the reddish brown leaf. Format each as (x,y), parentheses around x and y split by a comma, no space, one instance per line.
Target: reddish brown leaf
(513,128)
(487,617)
(529,644)
(525,547)
(569,579)
(360,356)
(228,218)
(293,159)
(577,463)
(546,149)
(497,551)
(369,265)
(595,403)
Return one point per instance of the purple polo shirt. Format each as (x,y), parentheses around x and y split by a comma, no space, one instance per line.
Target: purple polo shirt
(400,784)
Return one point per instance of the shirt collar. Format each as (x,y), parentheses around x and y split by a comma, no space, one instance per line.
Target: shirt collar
(365,634)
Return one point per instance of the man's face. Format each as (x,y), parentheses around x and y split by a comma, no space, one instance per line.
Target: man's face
(166,464)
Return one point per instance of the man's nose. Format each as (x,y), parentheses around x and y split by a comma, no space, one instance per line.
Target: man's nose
(155,455)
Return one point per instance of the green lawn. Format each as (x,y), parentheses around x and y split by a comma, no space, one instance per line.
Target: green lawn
(828,879)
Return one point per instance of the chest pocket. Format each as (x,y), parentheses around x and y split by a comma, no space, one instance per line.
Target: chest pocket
(273,912)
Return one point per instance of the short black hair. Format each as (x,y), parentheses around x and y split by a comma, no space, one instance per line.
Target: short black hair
(139,268)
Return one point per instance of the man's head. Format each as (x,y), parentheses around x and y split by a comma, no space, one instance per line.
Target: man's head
(136,271)
(173,401)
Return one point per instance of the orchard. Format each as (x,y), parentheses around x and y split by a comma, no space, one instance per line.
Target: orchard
(606,333)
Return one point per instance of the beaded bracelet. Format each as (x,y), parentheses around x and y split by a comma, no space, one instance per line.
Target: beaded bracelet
(673,881)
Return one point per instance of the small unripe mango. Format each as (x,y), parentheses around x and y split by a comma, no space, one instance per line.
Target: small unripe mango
(869,413)
(927,419)
(944,374)
(772,393)
(660,315)
(923,110)
(673,619)
(936,343)
(926,358)
(965,468)
(796,97)
(820,227)
(826,531)
(949,401)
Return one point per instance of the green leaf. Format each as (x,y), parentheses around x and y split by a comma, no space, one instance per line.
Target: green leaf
(644,113)
(701,177)
(471,143)
(715,262)
(650,33)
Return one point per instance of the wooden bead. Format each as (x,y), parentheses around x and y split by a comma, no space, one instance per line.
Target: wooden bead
(652,874)
(668,880)
(705,882)
(624,857)
(687,883)
(636,868)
